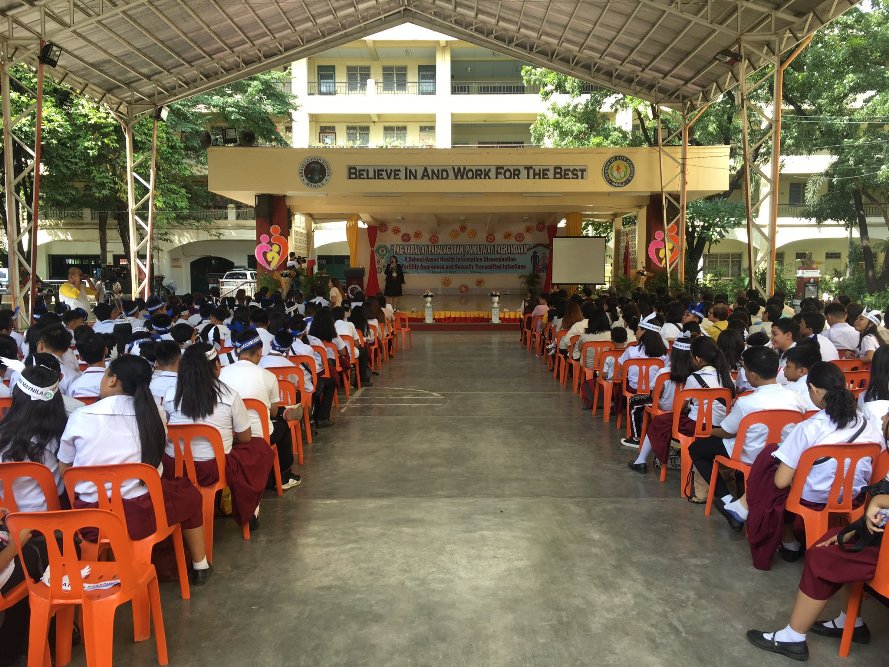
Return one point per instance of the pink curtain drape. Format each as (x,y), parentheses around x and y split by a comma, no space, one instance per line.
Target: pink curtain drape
(373,282)
(551,231)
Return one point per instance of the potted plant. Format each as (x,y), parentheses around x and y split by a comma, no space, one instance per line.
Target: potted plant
(495,297)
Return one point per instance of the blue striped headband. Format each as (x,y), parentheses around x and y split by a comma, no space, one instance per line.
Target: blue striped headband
(248,344)
(160,330)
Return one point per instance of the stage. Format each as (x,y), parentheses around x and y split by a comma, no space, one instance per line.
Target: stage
(462,308)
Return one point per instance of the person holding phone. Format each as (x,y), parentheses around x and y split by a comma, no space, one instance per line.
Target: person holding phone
(394,281)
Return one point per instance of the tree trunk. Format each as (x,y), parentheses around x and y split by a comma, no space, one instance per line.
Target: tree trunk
(103,236)
(870,276)
(123,227)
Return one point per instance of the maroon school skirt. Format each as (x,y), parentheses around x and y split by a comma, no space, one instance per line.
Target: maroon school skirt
(182,502)
(828,569)
(247,469)
(660,432)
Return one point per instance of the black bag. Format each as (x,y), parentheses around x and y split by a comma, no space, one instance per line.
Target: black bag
(857,530)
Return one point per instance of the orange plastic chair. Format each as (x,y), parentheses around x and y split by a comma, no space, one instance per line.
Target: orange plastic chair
(555,361)
(5,404)
(325,362)
(857,381)
(534,334)
(14,470)
(353,352)
(341,371)
(287,392)
(816,522)
(137,584)
(379,350)
(257,406)
(180,436)
(653,410)
(848,364)
(579,366)
(643,384)
(403,326)
(774,421)
(879,584)
(607,386)
(306,396)
(705,399)
(87,400)
(881,468)
(526,330)
(108,481)
(564,361)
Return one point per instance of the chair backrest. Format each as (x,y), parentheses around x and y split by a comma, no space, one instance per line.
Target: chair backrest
(659,383)
(402,321)
(288,373)
(596,347)
(535,322)
(848,364)
(65,562)
(559,335)
(306,363)
(599,364)
(181,436)
(643,379)
(336,354)
(5,404)
(847,456)
(857,381)
(361,341)
(87,400)
(881,467)
(287,392)
(377,332)
(257,406)
(773,420)
(109,480)
(571,341)
(350,342)
(705,399)
(880,582)
(321,350)
(15,470)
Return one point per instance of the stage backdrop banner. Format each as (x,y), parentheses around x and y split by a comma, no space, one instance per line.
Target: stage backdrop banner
(449,258)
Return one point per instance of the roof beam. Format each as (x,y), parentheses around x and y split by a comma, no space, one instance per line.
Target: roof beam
(674,8)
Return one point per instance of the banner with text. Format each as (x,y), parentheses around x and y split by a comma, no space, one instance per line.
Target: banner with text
(495,172)
(468,257)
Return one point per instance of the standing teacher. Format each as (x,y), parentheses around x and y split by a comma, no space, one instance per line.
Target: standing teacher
(75,293)
(394,281)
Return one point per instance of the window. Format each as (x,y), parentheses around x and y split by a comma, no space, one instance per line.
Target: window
(804,257)
(326,79)
(779,258)
(395,135)
(725,264)
(356,78)
(426,75)
(327,135)
(395,79)
(427,135)
(358,135)
(797,195)
(833,255)
(59,265)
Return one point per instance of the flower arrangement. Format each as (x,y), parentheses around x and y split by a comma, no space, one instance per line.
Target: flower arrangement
(464,227)
(540,227)
(519,237)
(396,230)
(463,289)
(528,229)
(472,233)
(383,227)
(454,234)
(433,239)
(494,293)
(507,235)
(418,234)
(479,282)
(445,282)
(405,238)
(490,238)
(428,294)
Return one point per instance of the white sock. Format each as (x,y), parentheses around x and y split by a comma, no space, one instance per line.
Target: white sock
(201,564)
(256,512)
(791,546)
(788,634)
(840,621)
(727,498)
(738,509)
(645,451)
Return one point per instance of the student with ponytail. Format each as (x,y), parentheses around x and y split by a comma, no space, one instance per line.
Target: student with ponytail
(869,340)
(125,426)
(199,397)
(710,370)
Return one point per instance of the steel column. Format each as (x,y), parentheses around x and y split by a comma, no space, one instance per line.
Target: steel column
(35,206)
(141,223)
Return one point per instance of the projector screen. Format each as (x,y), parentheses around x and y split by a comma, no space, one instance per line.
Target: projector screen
(579,260)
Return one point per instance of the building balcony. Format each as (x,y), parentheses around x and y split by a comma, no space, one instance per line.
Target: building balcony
(796,211)
(492,88)
(230,214)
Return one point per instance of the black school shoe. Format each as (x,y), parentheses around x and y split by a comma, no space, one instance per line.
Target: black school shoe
(735,525)
(791,556)
(201,577)
(641,468)
(861,635)
(793,650)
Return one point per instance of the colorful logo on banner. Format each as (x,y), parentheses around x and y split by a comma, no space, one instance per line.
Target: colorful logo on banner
(618,171)
(314,172)
(665,251)
(434,257)
(271,251)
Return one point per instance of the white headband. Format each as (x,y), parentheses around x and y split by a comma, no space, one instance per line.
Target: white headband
(874,316)
(682,344)
(36,393)
(649,317)
(211,354)
(649,326)
(247,344)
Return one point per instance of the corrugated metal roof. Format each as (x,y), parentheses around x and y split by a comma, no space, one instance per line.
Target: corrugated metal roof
(137,54)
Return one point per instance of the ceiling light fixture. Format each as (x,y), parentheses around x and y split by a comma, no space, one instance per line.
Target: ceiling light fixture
(728,57)
(50,54)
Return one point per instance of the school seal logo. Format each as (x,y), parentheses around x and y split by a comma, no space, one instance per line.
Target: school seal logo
(314,172)
(618,171)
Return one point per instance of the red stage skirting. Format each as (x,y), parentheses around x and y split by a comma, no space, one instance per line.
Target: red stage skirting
(466,317)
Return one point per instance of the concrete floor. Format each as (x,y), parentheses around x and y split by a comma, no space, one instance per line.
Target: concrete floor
(466,511)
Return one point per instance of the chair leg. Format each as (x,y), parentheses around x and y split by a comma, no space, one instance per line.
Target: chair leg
(38,650)
(64,631)
(179,549)
(141,615)
(856,593)
(98,632)
(276,466)
(307,417)
(296,436)
(712,490)
(157,620)
(686,469)
(606,402)
(644,430)
(245,531)
(595,398)
(209,498)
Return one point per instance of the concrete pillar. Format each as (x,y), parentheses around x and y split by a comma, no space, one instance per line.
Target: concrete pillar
(641,239)
(617,262)
(443,95)
(300,117)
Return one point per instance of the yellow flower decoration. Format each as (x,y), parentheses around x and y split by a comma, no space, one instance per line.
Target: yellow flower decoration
(472,233)
(445,282)
(454,234)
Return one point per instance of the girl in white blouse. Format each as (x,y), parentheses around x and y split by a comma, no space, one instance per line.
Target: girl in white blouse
(869,339)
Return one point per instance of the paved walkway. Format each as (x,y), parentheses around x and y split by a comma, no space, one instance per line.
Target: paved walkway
(466,511)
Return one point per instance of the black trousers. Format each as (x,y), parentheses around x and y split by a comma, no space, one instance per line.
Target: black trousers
(702,452)
(323,399)
(280,437)
(16,619)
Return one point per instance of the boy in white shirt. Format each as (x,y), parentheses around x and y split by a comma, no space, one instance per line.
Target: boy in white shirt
(260,319)
(799,359)
(166,367)
(841,333)
(761,366)
(92,350)
(56,340)
(811,327)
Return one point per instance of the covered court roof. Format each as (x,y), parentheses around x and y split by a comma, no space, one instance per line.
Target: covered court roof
(138,54)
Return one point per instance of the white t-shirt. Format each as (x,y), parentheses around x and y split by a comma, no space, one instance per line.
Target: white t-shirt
(602,336)
(104,433)
(765,397)
(820,430)
(251,381)
(843,335)
(87,384)
(670,330)
(27,492)
(668,393)
(828,349)
(868,344)
(229,417)
(346,328)
(267,338)
(801,389)
(161,382)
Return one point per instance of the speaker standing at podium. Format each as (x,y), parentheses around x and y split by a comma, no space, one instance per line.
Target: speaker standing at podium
(394,281)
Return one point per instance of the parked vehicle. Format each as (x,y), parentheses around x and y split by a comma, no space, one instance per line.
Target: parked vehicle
(237,279)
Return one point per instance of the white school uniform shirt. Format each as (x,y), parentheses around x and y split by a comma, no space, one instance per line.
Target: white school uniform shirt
(137,323)
(19,341)
(820,430)
(339,342)
(106,326)
(71,404)
(277,360)
(577,329)
(638,352)
(711,378)
(88,382)
(782,362)
(5,392)
(267,338)
(843,336)
(346,328)
(69,374)
(251,381)
(194,320)
(27,493)
(161,381)
(868,344)
(230,416)
(668,393)
(765,397)
(801,389)
(828,349)
(104,433)
(668,331)
(389,312)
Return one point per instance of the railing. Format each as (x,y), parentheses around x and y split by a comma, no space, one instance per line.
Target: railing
(337,88)
(796,211)
(56,214)
(382,88)
(492,88)
(207,214)
(405,87)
